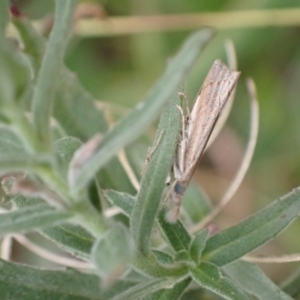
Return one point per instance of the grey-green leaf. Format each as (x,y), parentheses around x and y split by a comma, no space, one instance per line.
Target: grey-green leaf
(9,141)
(141,290)
(74,106)
(121,200)
(112,252)
(52,64)
(233,243)
(176,234)
(31,218)
(170,294)
(64,148)
(154,177)
(71,238)
(195,203)
(254,281)
(197,245)
(136,122)
(210,277)
(22,162)
(162,257)
(27,283)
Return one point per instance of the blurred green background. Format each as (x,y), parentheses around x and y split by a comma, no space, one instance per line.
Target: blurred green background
(119,70)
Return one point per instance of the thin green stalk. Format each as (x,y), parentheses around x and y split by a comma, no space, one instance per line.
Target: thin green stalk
(52,63)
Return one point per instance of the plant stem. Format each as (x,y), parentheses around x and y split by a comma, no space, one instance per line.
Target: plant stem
(52,63)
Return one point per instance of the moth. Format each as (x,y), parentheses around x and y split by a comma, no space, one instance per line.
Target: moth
(197,127)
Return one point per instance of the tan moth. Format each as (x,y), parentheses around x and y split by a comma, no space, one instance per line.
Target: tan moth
(197,127)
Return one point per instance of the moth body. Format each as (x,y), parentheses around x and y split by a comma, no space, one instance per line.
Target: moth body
(196,129)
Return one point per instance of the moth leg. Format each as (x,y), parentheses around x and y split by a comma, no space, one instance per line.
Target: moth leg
(151,150)
(181,147)
(184,99)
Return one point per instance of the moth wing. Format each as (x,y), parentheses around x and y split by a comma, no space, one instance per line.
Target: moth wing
(212,97)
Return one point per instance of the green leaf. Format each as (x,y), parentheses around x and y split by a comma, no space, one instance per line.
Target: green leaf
(10,142)
(109,180)
(254,281)
(162,257)
(136,122)
(233,243)
(31,218)
(121,200)
(64,148)
(176,234)
(197,245)
(150,266)
(170,294)
(195,203)
(73,106)
(71,238)
(194,294)
(34,44)
(141,290)
(154,177)
(210,277)
(183,256)
(27,283)
(22,162)
(47,80)
(14,78)
(112,252)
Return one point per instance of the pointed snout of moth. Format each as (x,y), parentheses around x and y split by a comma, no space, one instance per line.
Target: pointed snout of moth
(176,199)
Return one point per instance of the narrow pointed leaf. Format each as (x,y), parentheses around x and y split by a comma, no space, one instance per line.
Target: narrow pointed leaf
(136,122)
(176,234)
(254,281)
(27,283)
(64,148)
(71,238)
(153,180)
(234,242)
(170,294)
(31,218)
(141,290)
(210,277)
(113,252)
(197,245)
(22,162)
(195,203)
(121,200)
(47,80)
(73,105)
(34,43)
(162,257)
(151,267)
(9,141)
